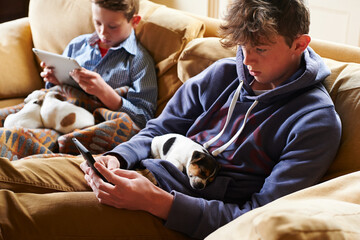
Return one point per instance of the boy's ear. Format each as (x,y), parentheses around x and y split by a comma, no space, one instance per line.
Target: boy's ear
(301,43)
(135,20)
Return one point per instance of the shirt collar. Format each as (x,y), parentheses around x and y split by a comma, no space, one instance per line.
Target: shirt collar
(128,44)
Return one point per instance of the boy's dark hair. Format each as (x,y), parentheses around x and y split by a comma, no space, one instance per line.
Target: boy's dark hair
(256,22)
(128,7)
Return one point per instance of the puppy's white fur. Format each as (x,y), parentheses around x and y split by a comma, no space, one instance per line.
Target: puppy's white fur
(27,117)
(63,116)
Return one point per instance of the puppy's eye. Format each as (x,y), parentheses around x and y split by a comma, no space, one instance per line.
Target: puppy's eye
(203,174)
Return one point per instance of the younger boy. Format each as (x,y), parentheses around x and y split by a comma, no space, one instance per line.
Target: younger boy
(111,57)
(266,118)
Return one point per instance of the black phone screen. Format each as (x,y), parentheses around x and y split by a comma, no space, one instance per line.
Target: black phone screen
(88,157)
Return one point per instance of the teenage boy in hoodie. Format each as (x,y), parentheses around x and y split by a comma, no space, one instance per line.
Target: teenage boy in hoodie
(264,115)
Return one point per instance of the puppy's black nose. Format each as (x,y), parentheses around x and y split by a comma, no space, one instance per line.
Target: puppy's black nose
(199,185)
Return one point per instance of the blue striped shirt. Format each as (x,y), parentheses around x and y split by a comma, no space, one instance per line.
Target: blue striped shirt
(128,64)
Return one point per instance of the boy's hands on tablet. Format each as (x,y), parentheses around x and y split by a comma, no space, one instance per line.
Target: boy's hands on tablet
(48,74)
(92,83)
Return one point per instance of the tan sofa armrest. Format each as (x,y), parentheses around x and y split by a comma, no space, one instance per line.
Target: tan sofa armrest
(336,51)
(19,72)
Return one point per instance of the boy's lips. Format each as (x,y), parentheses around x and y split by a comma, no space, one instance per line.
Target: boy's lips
(106,41)
(254,73)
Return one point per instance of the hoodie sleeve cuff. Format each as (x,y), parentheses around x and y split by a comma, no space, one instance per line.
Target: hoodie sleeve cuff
(126,158)
(185,214)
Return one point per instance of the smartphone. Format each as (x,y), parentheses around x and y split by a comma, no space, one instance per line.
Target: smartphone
(88,157)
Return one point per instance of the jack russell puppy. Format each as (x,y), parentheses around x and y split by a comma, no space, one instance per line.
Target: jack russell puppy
(49,110)
(201,167)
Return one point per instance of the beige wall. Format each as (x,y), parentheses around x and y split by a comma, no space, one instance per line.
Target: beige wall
(332,20)
(336,20)
(211,8)
(195,6)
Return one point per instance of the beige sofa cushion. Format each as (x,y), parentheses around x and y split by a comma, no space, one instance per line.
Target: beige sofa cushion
(199,54)
(344,87)
(17,66)
(327,211)
(55,23)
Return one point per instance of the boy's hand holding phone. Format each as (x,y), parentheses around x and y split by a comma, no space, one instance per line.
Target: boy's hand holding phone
(91,161)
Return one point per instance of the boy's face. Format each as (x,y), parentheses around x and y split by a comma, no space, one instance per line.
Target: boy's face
(273,63)
(112,27)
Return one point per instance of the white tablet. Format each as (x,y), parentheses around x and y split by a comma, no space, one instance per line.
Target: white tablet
(62,65)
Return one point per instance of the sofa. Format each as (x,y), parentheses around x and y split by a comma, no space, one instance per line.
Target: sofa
(182,45)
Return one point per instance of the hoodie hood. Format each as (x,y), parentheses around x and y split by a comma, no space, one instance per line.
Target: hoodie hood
(312,71)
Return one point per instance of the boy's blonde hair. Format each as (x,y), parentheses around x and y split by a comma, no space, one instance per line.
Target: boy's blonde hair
(128,7)
(256,22)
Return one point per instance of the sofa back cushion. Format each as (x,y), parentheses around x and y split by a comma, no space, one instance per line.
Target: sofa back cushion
(199,54)
(54,23)
(18,70)
(343,85)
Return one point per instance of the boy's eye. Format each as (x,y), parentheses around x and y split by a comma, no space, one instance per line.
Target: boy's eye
(113,27)
(260,50)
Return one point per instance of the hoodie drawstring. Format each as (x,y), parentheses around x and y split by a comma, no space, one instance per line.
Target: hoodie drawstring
(230,112)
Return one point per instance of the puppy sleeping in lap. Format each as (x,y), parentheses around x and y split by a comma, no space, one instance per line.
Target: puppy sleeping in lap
(200,166)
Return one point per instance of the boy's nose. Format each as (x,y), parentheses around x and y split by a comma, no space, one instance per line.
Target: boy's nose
(248,58)
(103,30)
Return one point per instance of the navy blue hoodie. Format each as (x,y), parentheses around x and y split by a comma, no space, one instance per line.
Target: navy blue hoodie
(283,140)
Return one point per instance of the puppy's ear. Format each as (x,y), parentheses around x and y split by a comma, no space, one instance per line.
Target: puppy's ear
(205,159)
(197,156)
